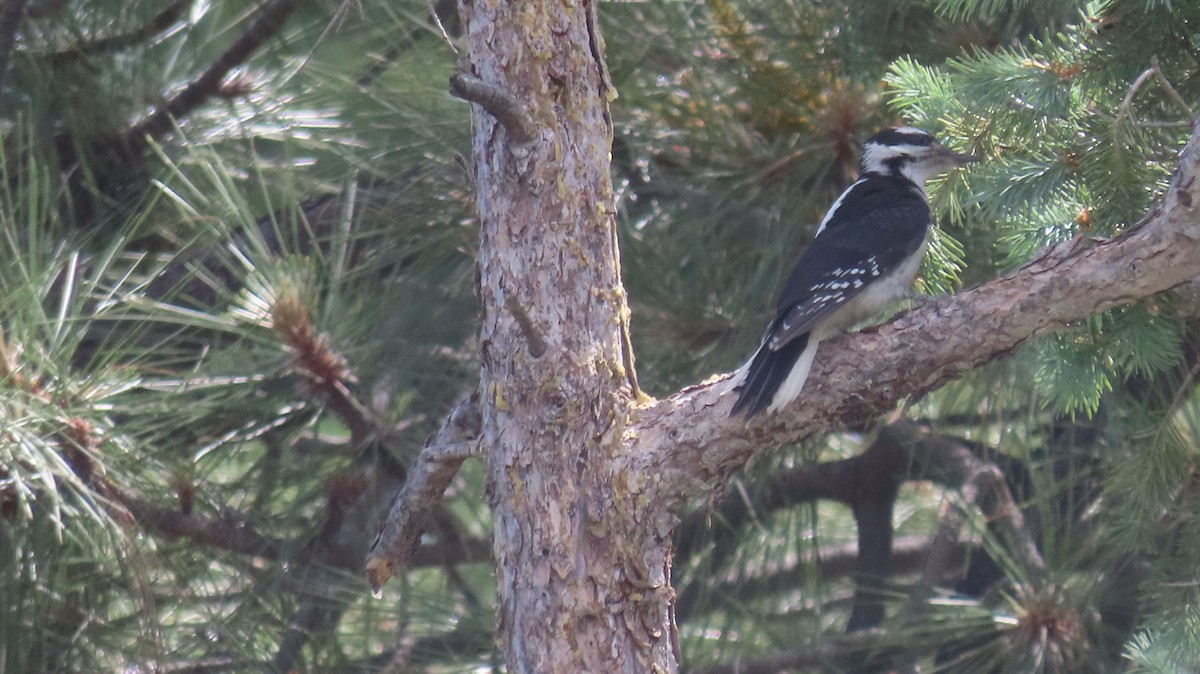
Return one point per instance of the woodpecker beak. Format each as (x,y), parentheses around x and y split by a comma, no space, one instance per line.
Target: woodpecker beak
(958,158)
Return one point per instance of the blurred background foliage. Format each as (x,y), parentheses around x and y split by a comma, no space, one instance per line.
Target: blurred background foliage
(237,294)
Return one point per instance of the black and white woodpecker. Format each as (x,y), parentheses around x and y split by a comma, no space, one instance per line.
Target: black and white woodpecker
(866,253)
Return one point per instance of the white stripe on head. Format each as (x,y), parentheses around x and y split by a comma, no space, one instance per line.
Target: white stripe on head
(909,151)
(876,155)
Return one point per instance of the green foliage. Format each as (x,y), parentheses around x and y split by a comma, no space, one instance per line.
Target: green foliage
(1068,157)
(148,377)
(1080,132)
(1151,656)
(177,316)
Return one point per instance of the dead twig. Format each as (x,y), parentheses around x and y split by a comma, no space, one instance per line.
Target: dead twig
(1171,92)
(1156,72)
(430,474)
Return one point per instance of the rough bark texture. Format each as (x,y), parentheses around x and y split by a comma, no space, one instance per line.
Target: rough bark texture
(399,538)
(575,594)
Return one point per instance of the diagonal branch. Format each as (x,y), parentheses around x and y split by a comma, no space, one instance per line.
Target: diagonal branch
(689,439)
(268,22)
(225,533)
(430,474)
(941,556)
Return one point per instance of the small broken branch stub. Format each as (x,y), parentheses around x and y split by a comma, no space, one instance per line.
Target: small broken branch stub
(499,103)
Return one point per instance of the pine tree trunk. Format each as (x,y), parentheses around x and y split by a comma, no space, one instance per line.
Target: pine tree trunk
(582,583)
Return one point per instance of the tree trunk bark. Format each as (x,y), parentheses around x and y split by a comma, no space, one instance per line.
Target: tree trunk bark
(582,585)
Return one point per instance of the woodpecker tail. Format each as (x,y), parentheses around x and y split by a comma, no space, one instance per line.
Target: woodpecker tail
(772,379)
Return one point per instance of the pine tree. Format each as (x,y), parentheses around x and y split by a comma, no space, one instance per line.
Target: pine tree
(240,313)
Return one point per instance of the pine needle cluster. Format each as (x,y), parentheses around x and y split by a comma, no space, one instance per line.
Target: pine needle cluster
(1080,125)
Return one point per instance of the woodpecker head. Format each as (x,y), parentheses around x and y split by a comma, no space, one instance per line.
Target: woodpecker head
(909,152)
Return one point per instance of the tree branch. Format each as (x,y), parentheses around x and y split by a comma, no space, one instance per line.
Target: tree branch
(868,483)
(238,536)
(941,555)
(689,439)
(268,22)
(218,532)
(498,103)
(948,462)
(430,474)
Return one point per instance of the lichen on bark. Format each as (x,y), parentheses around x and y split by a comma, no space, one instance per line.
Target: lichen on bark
(577,589)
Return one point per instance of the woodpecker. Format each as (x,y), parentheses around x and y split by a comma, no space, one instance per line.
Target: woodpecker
(866,253)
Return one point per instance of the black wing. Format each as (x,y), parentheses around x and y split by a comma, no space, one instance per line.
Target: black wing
(843,260)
